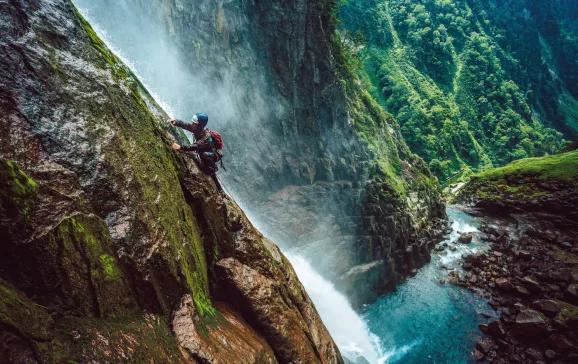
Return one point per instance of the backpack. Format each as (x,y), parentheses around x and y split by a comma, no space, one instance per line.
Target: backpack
(217,144)
(216,140)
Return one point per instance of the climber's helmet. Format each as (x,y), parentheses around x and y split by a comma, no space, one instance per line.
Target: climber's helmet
(201,120)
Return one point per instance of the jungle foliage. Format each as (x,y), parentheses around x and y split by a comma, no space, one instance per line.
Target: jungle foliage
(474,84)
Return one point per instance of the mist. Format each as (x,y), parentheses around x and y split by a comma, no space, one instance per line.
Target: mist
(184,87)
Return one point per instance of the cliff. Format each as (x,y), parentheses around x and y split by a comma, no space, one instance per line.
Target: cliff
(309,151)
(114,248)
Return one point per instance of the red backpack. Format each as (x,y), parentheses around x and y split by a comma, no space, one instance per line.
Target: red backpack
(216,140)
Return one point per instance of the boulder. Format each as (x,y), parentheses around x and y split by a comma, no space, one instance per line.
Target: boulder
(530,323)
(550,354)
(478,355)
(523,291)
(523,254)
(571,294)
(496,328)
(476,258)
(503,284)
(465,238)
(559,342)
(547,307)
(535,355)
(485,345)
(532,284)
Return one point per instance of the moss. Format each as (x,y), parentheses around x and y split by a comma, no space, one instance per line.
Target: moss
(568,315)
(23,315)
(141,150)
(133,338)
(108,265)
(77,257)
(562,167)
(18,192)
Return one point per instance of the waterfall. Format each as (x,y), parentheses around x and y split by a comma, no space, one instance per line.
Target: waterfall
(346,327)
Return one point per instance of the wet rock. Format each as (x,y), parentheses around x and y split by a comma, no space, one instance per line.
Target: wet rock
(503,284)
(465,238)
(530,323)
(476,258)
(453,248)
(571,294)
(467,266)
(231,341)
(534,355)
(566,245)
(478,355)
(573,277)
(523,291)
(442,281)
(523,254)
(559,342)
(550,354)
(547,307)
(485,345)
(497,329)
(532,284)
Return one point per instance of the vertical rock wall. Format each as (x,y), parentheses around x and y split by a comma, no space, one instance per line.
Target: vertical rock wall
(313,156)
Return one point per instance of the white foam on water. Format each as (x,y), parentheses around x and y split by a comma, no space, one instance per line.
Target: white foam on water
(348,330)
(395,355)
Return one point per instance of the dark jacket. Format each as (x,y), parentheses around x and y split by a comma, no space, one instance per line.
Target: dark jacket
(202,141)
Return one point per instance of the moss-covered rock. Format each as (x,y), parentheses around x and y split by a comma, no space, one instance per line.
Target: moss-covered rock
(546,185)
(119,228)
(18,193)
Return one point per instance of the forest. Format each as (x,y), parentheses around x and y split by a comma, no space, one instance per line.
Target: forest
(474,84)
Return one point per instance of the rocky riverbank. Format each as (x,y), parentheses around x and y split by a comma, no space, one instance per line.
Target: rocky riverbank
(532,282)
(530,272)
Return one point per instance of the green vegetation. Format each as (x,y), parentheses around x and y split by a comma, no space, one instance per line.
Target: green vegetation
(372,124)
(472,84)
(526,179)
(22,315)
(18,192)
(563,167)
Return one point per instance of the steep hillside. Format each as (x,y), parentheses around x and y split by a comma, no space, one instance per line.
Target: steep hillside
(115,248)
(474,84)
(308,149)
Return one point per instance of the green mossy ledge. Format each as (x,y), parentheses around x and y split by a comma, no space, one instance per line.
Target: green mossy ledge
(547,185)
(107,231)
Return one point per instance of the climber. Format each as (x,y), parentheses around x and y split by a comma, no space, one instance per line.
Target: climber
(207,145)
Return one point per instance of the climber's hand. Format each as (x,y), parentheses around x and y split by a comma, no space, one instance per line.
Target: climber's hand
(176,146)
(171,121)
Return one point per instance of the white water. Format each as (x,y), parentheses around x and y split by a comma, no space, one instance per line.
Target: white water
(346,327)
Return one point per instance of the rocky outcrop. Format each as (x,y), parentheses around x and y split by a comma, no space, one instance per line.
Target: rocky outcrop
(543,190)
(114,247)
(310,152)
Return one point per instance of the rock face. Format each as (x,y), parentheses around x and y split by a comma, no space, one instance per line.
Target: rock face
(115,248)
(321,165)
